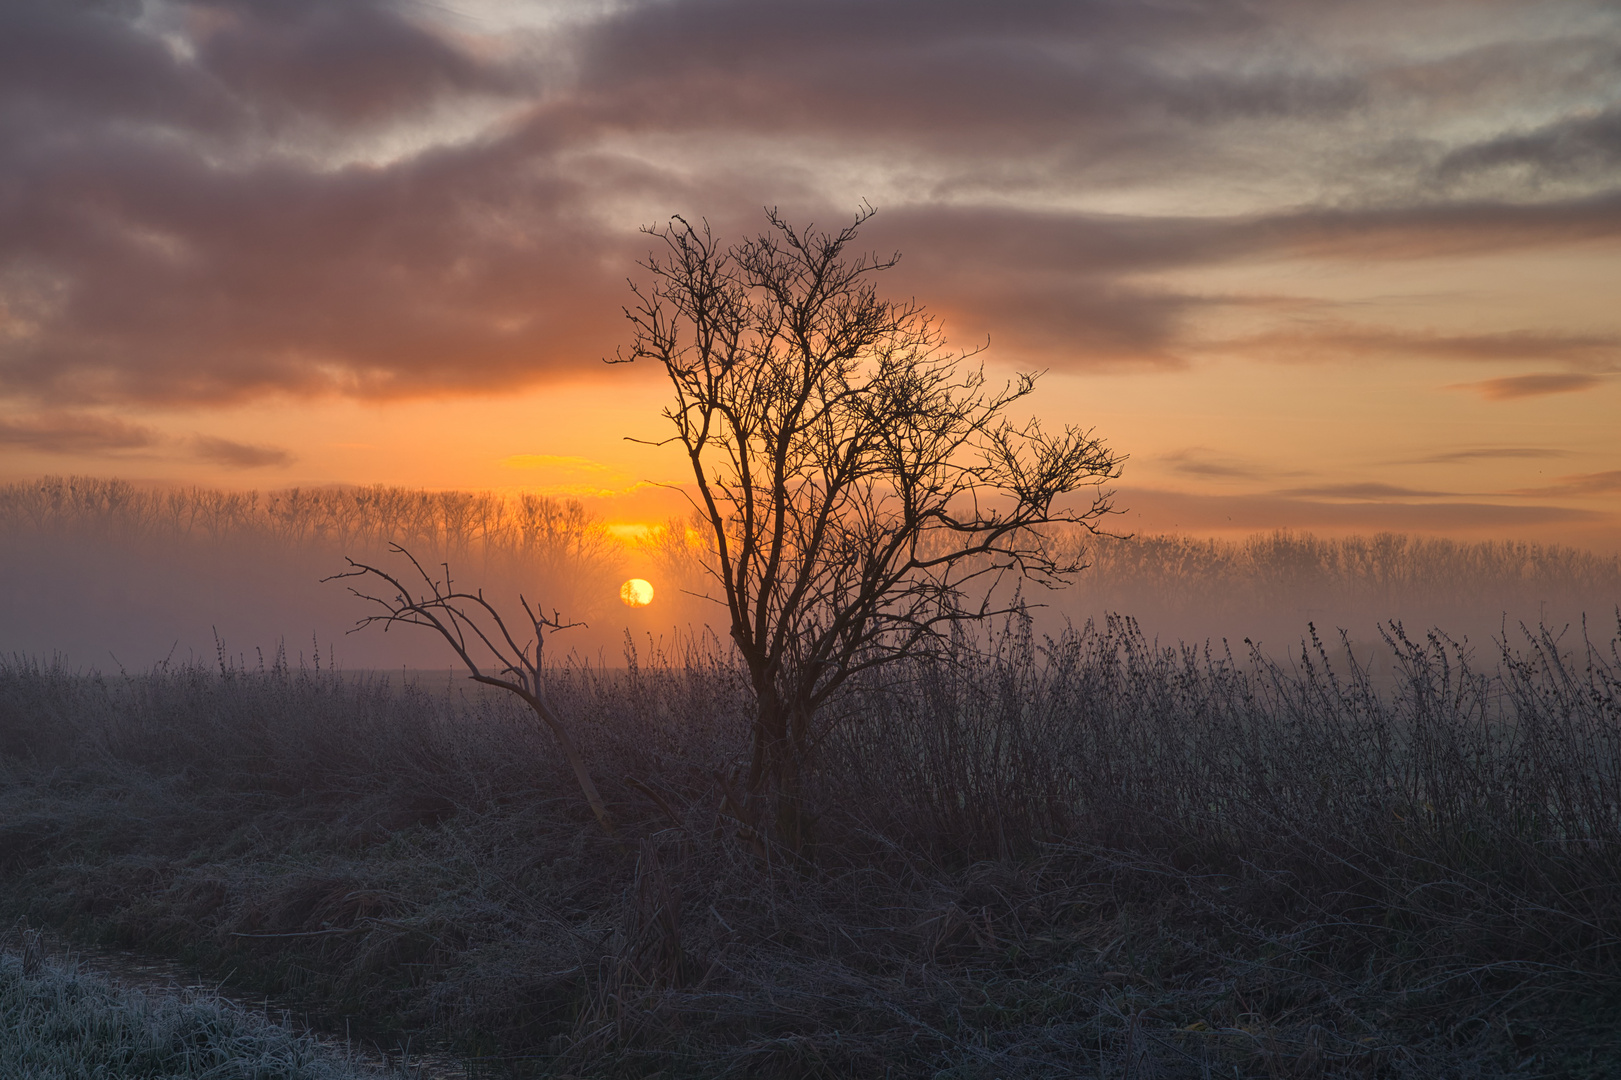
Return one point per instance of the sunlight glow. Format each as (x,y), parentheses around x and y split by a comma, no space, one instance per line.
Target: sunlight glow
(629,533)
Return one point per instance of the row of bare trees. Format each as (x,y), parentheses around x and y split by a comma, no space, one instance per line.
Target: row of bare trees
(1346,572)
(459,524)
(548,533)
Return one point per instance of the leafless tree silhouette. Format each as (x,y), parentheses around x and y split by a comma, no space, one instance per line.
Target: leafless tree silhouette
(862,486)
(481,639)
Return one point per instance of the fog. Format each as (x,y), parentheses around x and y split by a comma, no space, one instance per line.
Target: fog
(107,576)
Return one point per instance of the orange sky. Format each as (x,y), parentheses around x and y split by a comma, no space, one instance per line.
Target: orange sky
(1319,266)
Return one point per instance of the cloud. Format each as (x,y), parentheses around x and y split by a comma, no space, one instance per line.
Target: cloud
(1367,492)
(1152,510)
(1579,145)
(1199,461)
(237,455)
(1512,387)
(941,75)
(1489,453)
(345,63)
(58,432)
(1070,286)
(991,240)
(1350,341)
(192,240)
(206,202)
(74,433)
(1599,483)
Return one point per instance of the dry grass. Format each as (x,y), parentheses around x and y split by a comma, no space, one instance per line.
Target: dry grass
(1078,856)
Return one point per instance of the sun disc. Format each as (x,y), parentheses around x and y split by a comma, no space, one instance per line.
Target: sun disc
(637,592)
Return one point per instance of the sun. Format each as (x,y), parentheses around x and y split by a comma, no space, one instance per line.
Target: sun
(637,592)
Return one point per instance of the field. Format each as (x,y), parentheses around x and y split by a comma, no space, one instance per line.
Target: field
(1077,855)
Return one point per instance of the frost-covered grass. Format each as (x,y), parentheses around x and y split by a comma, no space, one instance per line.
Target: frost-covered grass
(1085,856)
(60,1023)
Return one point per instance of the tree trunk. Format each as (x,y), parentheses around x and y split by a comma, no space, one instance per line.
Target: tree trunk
(777,768)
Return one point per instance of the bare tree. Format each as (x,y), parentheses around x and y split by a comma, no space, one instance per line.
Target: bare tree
(862,486)
(480,638)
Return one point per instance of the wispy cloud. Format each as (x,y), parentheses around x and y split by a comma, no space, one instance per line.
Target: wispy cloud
(238,455)
(1512,387)
(72,433)
(82,433)
(1365,492)
(1344,341)
(1202,462)
(1568,146)
(1489,453)
(1599,483)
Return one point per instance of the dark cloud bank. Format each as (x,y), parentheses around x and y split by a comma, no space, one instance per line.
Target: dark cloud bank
(78,433)
(202,202)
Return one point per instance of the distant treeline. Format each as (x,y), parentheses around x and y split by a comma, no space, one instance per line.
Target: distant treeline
(365,518)
(446,523)
(76,541)
(93,567)
(1379,571)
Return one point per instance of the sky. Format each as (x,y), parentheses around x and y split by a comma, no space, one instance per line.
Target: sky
(1338,267)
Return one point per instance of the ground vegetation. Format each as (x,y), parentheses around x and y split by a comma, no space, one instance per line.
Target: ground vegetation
(61,1022)
(1082,855)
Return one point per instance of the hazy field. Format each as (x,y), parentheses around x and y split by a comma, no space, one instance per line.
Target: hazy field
(105,574)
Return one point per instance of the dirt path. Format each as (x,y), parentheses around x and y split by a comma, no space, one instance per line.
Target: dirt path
(154,975)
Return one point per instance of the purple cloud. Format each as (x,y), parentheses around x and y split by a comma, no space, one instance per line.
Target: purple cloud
(210,201)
